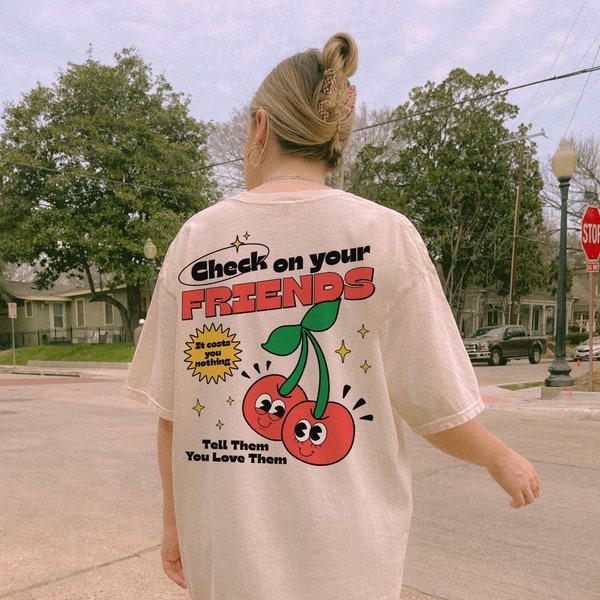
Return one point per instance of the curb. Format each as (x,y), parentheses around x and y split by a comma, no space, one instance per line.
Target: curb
(58,364)
(565,403)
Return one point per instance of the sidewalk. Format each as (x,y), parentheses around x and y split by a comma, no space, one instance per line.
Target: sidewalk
(575,405)
(69,369)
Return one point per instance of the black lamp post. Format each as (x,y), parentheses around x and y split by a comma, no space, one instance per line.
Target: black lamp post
(150,254)
(564,163)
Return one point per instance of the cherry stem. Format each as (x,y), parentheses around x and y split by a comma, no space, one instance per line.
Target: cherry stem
(292,381)
(323,391)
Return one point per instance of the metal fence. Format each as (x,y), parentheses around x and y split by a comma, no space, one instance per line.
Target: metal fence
(71,335)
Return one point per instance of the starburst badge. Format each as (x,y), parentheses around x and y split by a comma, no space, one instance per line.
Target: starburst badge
(212,353)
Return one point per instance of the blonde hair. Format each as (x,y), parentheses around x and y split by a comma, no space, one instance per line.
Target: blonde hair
(292,95)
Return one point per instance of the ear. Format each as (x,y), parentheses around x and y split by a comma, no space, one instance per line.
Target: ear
(262,127)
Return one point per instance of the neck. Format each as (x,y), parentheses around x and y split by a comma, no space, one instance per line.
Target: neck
(294,177)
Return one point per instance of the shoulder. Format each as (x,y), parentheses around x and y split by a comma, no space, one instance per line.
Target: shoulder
(377,217)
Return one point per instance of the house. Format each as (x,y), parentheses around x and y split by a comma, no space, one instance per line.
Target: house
(62,314)
(536,312)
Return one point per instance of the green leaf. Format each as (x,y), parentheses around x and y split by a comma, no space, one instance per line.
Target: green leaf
(321,316)
(284,340)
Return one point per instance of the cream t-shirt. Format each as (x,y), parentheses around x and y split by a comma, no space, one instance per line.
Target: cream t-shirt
(289,336)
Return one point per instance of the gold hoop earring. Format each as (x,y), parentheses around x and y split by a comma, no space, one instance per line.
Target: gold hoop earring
(258,147)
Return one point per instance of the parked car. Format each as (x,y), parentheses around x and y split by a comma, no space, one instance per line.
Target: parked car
(582,352)
(497,345)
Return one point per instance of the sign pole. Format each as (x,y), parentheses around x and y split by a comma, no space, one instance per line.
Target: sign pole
(12,322)
(590,242)
(12,315)
(591,357)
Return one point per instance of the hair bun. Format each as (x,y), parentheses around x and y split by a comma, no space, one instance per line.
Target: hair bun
(341,54)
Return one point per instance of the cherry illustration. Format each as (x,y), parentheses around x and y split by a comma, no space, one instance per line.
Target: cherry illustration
(318,441)
(315,432)
(265,405)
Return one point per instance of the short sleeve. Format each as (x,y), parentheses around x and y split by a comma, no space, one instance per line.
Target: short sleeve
(429,375)
(152,373)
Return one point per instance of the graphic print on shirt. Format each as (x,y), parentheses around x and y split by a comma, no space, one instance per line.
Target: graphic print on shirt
(312,428)
(212,353)
(316,432)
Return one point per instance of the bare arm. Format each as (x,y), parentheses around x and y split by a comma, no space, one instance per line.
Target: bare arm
(473,443)
(171,558)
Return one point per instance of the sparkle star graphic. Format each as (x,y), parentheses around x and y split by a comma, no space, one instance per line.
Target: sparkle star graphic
(365,367)
(230,400)
(246,235)
(219,424)
(237,243)
(363,331)
(343,351)
(199,408)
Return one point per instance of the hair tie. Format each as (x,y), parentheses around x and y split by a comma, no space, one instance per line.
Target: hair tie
(329,93)
(348,98)
(332,96)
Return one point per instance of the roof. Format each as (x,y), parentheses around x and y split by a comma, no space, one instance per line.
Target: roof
(22,290)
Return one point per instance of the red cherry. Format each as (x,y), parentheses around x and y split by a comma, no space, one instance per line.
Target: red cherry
(264,407)
(323,441)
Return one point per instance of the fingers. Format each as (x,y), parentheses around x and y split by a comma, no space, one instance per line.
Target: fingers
(527,496)
(174,571)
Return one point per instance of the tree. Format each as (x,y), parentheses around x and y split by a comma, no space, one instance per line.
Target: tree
(226,143)
(453,176)
(92,166)
(371,129)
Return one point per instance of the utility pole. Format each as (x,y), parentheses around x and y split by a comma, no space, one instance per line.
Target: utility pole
(521,138)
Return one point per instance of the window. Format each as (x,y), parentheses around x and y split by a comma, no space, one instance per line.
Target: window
(144,302)
(536,318)
(58,315)
(492,314)
(28,309)
(514,332)
(109,317)
(80,312)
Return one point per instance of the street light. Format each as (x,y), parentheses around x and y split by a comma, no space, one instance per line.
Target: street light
(564,163)
(150,254)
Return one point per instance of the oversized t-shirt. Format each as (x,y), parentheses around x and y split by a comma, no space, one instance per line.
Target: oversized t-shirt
(289,336)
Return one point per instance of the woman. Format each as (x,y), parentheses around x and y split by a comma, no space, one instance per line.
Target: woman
(283,351)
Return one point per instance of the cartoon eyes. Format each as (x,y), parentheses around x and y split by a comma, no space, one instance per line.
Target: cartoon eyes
(274,408)
(304,432)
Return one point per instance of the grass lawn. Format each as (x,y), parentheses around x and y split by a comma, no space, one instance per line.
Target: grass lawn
(118,352)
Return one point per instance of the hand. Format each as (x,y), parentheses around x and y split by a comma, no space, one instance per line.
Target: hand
(171,557)
(472,442)
(517,476)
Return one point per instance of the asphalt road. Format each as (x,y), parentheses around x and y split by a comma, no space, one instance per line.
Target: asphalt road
(80,502)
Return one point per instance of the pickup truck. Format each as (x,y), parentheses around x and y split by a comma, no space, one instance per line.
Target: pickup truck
(497,345)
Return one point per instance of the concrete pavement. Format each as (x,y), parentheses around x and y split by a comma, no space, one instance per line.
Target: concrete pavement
(80,498)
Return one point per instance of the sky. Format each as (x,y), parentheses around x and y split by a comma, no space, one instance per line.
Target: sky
(218,51)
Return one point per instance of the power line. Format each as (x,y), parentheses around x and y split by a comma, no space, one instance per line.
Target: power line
(484,96)
(457,103)
(364,128)
(560,50)
(580,95)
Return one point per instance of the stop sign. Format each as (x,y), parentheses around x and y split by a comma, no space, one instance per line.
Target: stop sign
(590,232)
